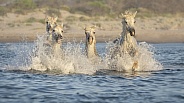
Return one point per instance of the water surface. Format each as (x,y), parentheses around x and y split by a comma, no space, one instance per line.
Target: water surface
(165,86)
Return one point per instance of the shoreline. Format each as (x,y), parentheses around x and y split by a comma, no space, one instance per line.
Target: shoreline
(150,36)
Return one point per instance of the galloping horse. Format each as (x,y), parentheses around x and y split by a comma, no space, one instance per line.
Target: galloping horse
(50,24)
(127,44)
(57,36)
(90,45)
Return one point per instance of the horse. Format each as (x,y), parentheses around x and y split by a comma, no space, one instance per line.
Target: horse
(90,45)
(126,44)
(50,24)
(57,36)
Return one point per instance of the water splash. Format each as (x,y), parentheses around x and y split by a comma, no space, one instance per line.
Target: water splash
(123,63)
(71,59)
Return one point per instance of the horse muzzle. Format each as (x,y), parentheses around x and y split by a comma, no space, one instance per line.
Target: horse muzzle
(90,40)
(59,38)
(132,32)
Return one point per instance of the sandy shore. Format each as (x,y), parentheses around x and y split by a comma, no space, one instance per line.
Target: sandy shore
(14,28)
(162,36)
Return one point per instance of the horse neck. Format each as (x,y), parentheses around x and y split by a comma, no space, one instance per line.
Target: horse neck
(56,48)
(91,49)
(125,35)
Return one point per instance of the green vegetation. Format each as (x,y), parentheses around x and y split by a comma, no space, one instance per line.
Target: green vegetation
(11,24)
(41,21)
(32,20)
(99,7)
(53,12)
(3,11)
(71,18)
(82,18)
(110,8)
(24,4)
(66,8)
(28,24)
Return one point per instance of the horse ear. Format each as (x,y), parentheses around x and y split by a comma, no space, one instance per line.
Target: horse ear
(135,14)
(46,17)
(62,24)
(55,18)
(122,15)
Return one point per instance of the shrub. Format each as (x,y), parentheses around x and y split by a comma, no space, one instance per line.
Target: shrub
(71,18)
(66,8)
(31,20)
(3,11)
(41,21)
(24,4)
(82,18)
(99,8)
(20,11)
(53,12)
(11,24)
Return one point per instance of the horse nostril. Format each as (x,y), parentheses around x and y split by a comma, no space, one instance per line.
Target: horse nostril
(132,32)
(60,36)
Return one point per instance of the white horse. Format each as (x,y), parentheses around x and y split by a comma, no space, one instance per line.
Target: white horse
(90,45)
(57,36)
(127,44)
(50,24)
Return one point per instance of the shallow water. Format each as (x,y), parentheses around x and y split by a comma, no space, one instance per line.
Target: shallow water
(165,86)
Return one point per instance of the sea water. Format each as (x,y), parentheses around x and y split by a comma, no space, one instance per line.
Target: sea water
(164,84)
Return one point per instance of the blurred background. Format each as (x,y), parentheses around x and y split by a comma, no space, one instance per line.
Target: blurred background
(27,17)
(94,7)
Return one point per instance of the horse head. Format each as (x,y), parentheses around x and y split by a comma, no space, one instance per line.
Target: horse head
(90,34)
(50,23)
(57,33)
(129,21)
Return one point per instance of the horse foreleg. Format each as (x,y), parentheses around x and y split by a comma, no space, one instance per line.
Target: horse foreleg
(135,66)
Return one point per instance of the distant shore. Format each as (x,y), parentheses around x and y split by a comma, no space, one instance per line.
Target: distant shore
(151,36)
(18,28)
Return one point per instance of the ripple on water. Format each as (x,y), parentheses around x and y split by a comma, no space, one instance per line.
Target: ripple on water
(165,85)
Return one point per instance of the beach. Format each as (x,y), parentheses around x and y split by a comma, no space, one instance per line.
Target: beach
(17,28)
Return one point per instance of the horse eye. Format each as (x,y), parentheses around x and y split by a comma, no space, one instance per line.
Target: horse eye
(94,32)
(134,21)
(47,22)
(53,30)
(126,22)
(62,31)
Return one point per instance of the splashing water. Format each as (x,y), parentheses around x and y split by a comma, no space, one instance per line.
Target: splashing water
(145,58)
(71,59)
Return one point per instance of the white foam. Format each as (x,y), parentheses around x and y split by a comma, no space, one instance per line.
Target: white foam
(145,58)
(72,59)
